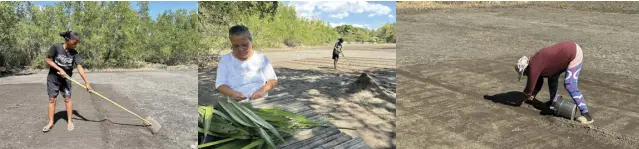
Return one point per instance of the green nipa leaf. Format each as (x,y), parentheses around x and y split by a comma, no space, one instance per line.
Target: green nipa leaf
(282,124)
(271,117)
(234,144)
(242,134)
(201,130)
(254,144)
(215,143)
(201,110)
(223,128)
(266,137)
(291,115)
(235,113)
(258,120)
(208,117)
(219,113)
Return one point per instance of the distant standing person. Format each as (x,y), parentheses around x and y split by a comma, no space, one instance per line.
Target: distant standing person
(61,58)
(337,49)
(550,62)
(244,74)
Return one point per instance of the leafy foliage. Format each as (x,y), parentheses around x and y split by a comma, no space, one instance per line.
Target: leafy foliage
(272,25)
(384,34)
(112,34)
(387,33)
(235,125)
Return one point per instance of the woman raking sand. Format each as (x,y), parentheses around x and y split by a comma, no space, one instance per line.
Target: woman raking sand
(61,58)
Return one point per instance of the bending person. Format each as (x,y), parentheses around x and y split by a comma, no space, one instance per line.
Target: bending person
(549,63)
(337,49)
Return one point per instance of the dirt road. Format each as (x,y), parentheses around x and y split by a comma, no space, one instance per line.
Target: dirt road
(167,96)
(449,59)
(308,75)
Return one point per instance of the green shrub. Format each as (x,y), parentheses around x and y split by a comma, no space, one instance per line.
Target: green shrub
(292,42)
(272,24)
(113,34)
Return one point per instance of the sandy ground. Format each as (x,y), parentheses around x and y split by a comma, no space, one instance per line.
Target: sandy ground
(167,96)
(307,75)
(450,59)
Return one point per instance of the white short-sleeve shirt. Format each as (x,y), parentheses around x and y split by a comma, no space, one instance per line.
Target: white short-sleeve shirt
(244,76)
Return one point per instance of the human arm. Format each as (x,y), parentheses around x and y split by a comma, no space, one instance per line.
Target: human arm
(533,75)
(258,94)
(340,51)
(271,77)
(84,77)
(538,85)
(78,62)
(226,90)
(49,60)
(221,82)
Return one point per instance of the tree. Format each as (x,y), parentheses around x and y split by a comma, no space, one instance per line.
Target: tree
(387,33)
(271,23)
(8,43)
(113,34)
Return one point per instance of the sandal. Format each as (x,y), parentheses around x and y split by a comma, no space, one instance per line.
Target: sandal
(70,128)
(46,129)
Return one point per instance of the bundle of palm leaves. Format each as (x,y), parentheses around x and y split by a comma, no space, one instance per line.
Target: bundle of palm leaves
(235,125)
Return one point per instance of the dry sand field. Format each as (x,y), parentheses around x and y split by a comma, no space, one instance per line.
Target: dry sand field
(167,96)
(449,60)
(308,75)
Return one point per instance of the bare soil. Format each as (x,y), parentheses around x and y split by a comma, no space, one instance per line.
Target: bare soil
(457,80)
(167,97)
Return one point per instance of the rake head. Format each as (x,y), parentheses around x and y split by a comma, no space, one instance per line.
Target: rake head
(154,126)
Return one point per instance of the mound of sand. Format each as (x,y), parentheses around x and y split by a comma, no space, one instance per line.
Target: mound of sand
(363,104)
(366,82)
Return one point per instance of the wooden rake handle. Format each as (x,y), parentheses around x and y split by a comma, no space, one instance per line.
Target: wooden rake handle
(107,99)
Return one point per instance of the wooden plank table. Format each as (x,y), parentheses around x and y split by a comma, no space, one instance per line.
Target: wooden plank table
(314,138)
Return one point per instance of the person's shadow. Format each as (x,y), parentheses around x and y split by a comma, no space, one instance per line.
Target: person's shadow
(77,116)
(514,98)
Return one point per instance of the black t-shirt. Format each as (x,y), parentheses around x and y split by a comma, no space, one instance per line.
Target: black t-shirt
(337,49)
(65,59)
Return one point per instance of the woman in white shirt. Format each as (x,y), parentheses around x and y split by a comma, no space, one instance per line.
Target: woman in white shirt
(244,74)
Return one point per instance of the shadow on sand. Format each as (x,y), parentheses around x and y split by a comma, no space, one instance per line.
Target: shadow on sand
(514,98)
(332,87)
(63,115)
(326,68)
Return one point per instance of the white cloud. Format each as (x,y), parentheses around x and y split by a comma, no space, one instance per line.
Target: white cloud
(360,25)
(355,25)
(336,24)
(390,16)
(340,15)
(306,10)
(311,15)
(339,8)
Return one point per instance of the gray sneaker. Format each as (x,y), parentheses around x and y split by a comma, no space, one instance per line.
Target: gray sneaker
(589,119)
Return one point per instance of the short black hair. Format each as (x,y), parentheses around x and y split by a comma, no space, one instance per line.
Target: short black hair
(68,35)
(340,40)
(240,30)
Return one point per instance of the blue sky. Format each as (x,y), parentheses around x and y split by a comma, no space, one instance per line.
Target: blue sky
(155,7)
(368,14)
